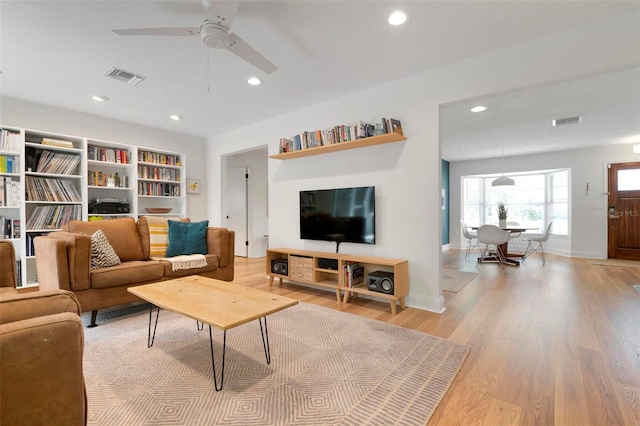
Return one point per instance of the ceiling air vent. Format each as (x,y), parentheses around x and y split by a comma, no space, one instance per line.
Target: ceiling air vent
(564,121)
(124,76)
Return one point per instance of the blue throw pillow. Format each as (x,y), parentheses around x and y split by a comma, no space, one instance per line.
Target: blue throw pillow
(187,238)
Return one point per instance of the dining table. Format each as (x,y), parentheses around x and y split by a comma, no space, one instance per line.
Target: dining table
(513,259)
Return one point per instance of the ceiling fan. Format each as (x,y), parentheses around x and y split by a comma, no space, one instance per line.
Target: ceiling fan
(214,32)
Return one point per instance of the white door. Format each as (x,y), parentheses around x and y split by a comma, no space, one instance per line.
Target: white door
(237,183)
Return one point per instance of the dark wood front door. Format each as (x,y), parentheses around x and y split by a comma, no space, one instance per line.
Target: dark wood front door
(624,211)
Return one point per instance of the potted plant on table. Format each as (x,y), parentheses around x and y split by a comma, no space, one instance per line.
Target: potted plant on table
(502,215)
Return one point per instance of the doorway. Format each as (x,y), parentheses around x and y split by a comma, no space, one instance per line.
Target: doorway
(623,211)
(237,213)
(245,201)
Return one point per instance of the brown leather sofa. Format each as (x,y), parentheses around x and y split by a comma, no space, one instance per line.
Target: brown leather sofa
(41,350)
(63,260)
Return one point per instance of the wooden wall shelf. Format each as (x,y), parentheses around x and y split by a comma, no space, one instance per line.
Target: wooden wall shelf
(358,143)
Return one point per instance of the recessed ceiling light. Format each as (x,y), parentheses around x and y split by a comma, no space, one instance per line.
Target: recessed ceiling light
(479,108)
(397,18)
(254,81)
(99,98)
(176,117)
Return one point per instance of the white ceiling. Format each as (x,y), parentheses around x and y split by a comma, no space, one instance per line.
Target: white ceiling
(56,52)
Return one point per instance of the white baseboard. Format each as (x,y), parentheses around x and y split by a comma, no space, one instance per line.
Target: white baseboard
(445,247)
(426,303)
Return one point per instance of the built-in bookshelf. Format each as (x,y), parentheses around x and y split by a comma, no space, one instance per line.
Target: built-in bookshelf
(11,216)
(161,186)
(53,189)
(339,138)
(110,179)
(48,179)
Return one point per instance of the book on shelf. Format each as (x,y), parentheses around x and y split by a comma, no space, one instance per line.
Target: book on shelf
(19,272)
(338,134)
(10,193)
(354,275)
(396,126)
(46,189)
(9,164)
(108,155)
(57,142)
(57,163)
(9,141)
(7,227)
(159,158)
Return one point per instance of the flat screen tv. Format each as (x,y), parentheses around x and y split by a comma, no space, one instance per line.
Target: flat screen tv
(340,215)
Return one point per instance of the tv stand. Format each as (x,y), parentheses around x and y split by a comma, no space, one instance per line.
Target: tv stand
(304,266)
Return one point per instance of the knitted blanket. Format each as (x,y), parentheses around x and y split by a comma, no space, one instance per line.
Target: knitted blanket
(186,261)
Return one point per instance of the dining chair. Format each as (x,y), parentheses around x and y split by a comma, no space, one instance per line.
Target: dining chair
(532,247)
(490,238)
(513,236)
(472,239)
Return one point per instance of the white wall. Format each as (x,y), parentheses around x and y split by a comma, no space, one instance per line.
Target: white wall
(588,223)
(407,174)
(32,116)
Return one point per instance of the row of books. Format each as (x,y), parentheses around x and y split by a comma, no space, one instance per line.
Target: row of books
(339,134)
(57,163)
(158,173)
(158,158)
(53,217)
(19,271)
(10,227)
(9,141)
(108,180)
(9,164)
(29,246)
(109,155)
(159,189)
(43,189)
(354,275)
(10,192)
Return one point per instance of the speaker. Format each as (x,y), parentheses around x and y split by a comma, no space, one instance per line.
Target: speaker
(380,281)
(280,266)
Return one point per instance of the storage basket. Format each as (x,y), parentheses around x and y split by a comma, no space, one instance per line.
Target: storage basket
(301,268)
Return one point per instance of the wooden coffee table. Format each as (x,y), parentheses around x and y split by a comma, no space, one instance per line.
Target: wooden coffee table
(220,304)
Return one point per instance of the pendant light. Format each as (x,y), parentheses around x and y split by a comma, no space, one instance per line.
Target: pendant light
(503,180)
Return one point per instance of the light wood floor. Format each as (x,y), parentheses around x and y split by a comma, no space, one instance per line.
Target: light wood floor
(550,345)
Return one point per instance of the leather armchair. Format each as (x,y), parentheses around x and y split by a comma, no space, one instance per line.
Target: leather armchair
(41,350)
(8,276)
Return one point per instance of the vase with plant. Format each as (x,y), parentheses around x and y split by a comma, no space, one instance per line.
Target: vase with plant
(502,215)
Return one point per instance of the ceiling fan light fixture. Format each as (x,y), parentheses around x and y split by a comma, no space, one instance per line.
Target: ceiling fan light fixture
(214,36)
(254,81)
(503,181)
(478,108)
(176,117)
(397,18)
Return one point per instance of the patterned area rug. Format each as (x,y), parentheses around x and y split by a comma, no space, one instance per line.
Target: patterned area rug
(327,367)
(455,281)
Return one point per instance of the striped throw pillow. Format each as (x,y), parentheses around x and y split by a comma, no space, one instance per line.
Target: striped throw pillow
(158,236)
(102,253)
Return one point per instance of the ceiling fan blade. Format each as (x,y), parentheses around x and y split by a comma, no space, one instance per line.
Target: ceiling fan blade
(221,12)
(249,54)
(176,31)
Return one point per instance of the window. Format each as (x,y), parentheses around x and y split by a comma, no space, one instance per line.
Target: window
(536,199)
